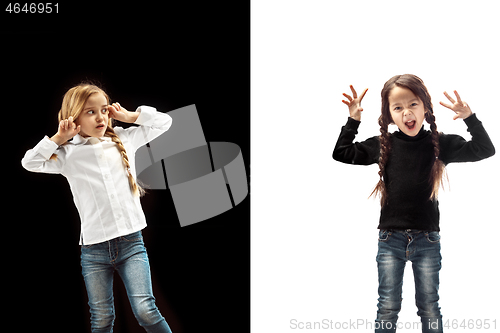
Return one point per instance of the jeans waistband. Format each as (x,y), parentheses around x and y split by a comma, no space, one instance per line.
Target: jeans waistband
(409,231)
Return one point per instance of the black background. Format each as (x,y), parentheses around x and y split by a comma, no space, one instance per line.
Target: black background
(164,55)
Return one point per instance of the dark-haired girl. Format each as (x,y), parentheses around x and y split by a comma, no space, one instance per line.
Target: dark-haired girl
(411,164)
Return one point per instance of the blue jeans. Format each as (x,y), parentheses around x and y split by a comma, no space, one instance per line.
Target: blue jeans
(423,249)
(126,255)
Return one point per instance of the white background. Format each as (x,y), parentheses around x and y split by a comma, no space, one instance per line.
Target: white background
(314,232)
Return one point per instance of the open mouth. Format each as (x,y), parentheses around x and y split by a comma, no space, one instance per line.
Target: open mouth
(100,126)
(410,124)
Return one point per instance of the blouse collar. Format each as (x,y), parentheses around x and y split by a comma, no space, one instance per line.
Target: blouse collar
(80,140)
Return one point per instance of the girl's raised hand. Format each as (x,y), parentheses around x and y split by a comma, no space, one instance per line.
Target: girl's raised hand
(354,103)
(461,109)
(116,111)
(66,130)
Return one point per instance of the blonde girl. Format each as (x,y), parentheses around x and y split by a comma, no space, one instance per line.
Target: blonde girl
(411,164)
(98,162)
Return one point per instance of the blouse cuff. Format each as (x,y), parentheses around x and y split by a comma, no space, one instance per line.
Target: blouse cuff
(46,147)
(147,115)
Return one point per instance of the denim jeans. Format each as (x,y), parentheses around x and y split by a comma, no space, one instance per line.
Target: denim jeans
(126,255)
(423,249)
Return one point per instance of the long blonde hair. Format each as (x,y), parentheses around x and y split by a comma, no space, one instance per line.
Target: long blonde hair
(73,102)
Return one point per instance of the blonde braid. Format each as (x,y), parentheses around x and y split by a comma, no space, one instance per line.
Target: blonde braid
(137,190)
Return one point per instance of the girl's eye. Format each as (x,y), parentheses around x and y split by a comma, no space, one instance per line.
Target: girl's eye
(414,104)
(90,112)
(397,108)
(104,111)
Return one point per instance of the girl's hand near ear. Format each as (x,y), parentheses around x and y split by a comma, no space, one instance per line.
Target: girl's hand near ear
(116,111)
(461,109)
(354,103)
(67,130)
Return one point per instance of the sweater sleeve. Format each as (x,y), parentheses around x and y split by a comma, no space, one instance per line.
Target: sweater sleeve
(361,153)
(454,148)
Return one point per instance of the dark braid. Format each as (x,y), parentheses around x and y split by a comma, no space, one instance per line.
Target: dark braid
(436,177)
(385,150)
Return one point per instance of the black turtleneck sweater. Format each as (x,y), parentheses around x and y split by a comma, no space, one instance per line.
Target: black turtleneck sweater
(408,169)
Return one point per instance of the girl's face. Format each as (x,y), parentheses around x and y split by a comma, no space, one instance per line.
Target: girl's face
(94,117)
(407,110)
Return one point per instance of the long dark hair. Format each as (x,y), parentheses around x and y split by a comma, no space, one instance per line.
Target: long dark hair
(416,85)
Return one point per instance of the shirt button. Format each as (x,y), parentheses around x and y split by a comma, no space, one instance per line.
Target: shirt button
(112,196)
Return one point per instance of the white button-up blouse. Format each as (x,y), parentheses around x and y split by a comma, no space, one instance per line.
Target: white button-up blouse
(97,177)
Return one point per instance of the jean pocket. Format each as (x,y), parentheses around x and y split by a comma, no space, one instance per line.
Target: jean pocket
(136,236)
(433,237)
(383,235)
